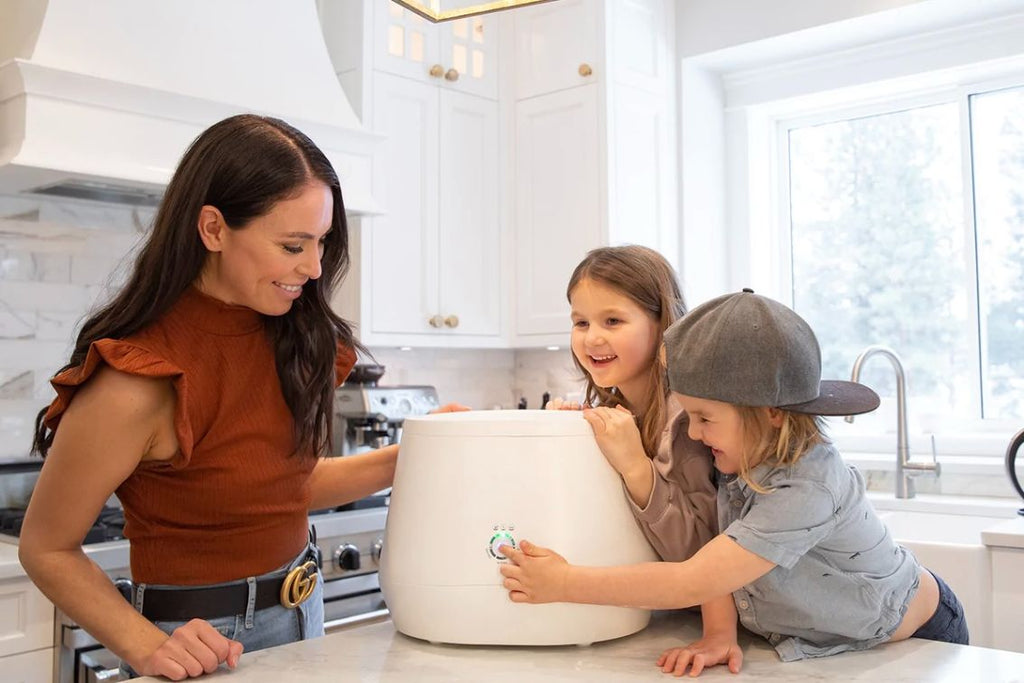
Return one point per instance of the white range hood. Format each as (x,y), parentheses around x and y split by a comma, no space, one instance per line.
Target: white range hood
(100,98)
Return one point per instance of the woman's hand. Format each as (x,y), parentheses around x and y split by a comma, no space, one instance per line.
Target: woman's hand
(534,574)
(710,650)
(562,404)
(192,650)
(451,408)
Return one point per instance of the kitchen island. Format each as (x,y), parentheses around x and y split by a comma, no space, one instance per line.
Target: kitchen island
(376,652)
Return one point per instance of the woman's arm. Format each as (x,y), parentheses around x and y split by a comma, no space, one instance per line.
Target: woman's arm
(115,421)
(340,480)
(722,566)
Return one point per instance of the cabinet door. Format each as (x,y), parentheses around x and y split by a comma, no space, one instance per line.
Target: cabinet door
(28,667)
(469,55)
(26,617)
(558,202)
(402,243)
(554,44)
(405,44)
(469,259)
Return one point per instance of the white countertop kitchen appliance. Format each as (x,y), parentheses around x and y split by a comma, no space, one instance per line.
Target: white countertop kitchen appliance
(465,484)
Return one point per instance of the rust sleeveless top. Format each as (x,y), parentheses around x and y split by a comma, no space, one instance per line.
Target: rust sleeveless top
(233,501)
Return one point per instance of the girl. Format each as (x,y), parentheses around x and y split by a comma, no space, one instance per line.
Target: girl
(622,300)
(202,395)
(807,561)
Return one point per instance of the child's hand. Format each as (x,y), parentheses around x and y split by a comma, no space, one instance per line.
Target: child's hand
(534,574)
(708,651)
(562,404)
(618,438)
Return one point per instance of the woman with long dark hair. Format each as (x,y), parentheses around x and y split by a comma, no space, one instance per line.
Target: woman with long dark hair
(202,396)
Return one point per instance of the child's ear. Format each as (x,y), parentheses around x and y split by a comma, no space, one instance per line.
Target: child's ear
(776,417)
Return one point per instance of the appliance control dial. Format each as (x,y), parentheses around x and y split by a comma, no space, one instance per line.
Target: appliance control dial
(346,557)
(376,549)
(497,540)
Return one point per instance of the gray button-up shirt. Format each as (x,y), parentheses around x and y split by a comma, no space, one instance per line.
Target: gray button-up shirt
(841,582)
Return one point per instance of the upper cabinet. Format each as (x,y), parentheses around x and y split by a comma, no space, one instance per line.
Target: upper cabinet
(595,146)
(429,268)
(461,55)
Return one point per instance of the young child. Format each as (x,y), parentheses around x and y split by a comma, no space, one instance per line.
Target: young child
(805,558)
(623,299)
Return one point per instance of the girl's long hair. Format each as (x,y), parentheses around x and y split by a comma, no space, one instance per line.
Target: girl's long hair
(646,278)
(243,166)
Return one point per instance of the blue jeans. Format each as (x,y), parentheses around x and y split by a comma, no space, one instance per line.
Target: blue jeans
(948,624)
(256,629)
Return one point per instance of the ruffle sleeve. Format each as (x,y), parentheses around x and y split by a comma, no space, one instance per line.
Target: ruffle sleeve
(343,363)
(133,359)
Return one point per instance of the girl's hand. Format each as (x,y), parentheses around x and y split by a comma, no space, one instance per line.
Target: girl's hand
(451,408)
(618,438)
(534,574)
(562,404)
(192,650)
(710,650)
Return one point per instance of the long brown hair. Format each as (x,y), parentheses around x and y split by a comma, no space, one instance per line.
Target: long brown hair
(243,166)
(646,278)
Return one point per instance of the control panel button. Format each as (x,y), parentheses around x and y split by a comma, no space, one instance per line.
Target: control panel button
(346,557)
(497,540)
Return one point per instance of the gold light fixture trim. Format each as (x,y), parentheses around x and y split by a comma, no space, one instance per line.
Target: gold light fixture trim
(432,10)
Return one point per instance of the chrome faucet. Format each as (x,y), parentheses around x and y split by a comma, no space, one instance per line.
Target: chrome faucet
(904,479)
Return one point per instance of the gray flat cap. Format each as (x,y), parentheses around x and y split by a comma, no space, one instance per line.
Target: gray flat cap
(750,350)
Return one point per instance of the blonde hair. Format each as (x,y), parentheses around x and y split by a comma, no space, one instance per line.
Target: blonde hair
(784,445)
(648,280)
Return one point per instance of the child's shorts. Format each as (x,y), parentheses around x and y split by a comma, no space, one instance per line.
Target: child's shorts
(948,624)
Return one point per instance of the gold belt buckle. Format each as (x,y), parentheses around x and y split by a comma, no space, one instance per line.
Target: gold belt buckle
(299,585)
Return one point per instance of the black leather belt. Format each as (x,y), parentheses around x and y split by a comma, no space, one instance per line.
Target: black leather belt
(208,602)
(288,588)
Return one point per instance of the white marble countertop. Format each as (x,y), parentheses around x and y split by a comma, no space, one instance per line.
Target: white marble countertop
(1008,534)
(376,652)
(10,567)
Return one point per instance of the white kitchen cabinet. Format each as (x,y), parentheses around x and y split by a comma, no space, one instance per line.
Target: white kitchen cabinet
(28,667)
(462,53)
(595,146)
(1007,598)
(427,272)
(26,632)
(433,257)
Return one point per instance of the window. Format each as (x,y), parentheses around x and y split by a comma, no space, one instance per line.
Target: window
(885,249)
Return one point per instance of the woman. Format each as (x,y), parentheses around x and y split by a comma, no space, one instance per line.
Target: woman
(202,396)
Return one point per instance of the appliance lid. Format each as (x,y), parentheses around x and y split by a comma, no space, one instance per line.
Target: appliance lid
(490,423)
(100,99)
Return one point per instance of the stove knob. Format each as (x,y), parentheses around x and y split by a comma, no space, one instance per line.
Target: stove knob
(346,556)
(376,549)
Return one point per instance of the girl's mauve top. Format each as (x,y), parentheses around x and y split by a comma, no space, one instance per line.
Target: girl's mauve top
(233,501)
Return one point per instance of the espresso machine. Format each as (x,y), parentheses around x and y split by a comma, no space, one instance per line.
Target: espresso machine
(368,416)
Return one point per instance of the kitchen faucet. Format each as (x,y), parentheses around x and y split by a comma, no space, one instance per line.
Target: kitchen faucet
(904,479)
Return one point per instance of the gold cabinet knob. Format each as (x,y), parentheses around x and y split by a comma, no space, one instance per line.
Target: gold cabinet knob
(585,70)
(437,71)
(451,321)
(451,75)
(436,321)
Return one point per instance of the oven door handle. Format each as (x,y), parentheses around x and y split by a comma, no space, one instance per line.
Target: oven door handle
(356,620)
